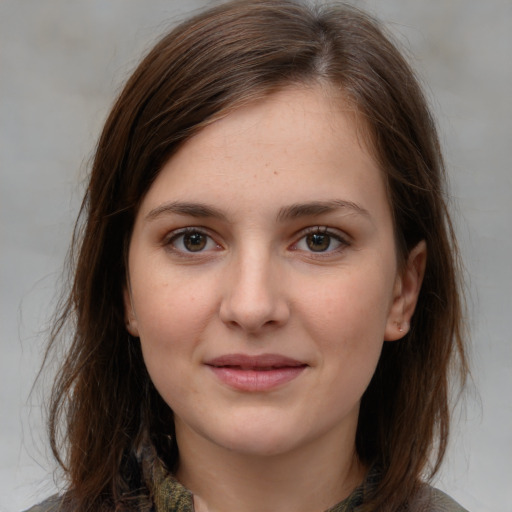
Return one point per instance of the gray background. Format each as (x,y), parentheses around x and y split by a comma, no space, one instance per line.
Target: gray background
(61,63)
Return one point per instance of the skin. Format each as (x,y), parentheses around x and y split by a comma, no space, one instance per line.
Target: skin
(248,278)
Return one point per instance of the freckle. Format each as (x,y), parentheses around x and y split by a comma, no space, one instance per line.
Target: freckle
(276,173)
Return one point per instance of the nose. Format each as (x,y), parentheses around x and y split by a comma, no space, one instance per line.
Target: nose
(254,297)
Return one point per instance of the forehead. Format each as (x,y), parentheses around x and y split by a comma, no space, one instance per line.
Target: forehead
(298,144)
(293,115)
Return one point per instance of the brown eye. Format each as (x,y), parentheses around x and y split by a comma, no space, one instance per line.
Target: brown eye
(194,242)
(191,240)
(318,242)
(322,239)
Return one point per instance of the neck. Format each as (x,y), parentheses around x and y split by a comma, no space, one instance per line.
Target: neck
(312,478)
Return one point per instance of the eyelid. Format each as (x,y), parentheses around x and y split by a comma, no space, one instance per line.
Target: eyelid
(341,237)
(173,235)
(337,234)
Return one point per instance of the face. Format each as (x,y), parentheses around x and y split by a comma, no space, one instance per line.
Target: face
(263,277)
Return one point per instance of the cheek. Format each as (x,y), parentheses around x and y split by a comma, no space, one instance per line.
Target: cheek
(170,308)
(356,305)
(168,329)
(172,312)
(347,321)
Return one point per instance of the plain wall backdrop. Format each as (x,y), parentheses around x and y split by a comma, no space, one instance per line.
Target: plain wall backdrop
(61,64)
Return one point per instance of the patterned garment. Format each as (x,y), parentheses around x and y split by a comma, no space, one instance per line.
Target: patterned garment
(170,496)
(173,497)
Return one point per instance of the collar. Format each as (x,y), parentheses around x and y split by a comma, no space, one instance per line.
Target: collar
(170,496)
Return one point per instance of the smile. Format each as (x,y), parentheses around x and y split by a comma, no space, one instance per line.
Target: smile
(255,373)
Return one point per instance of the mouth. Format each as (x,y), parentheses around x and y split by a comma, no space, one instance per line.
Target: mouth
(255,373)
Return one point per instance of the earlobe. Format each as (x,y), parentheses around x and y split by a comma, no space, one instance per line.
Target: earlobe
(406,293)
(129,314)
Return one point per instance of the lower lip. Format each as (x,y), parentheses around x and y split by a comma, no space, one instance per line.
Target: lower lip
(256,380)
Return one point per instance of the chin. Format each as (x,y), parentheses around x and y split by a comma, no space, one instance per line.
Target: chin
(261,437)
(259,445)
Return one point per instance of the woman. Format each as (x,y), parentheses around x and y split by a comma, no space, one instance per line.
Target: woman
(265,306)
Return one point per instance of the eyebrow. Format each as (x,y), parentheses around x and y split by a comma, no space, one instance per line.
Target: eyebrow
(294,211)
(314,208)
(199,210)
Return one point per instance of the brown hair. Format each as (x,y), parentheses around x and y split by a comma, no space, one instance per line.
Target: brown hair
(206,67)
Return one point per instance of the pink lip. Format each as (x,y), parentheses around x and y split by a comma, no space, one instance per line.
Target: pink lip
(255,373)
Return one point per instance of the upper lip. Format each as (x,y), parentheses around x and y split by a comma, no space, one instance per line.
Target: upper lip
(262,361)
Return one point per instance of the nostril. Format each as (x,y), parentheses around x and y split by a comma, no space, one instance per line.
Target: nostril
(252,302)
(251,324)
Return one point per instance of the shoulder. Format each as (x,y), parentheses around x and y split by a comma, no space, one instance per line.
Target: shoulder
(52,504)
(430,499)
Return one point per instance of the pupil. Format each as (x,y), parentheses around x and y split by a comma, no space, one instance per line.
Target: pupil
(194,242)
(318,242)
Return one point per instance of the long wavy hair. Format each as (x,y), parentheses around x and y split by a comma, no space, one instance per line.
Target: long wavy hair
(104,409)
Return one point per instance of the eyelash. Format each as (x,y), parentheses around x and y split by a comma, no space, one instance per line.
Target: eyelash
(342,241)
(171,240)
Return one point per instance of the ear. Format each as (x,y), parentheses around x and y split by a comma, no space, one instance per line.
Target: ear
(129,313)
(406,292)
